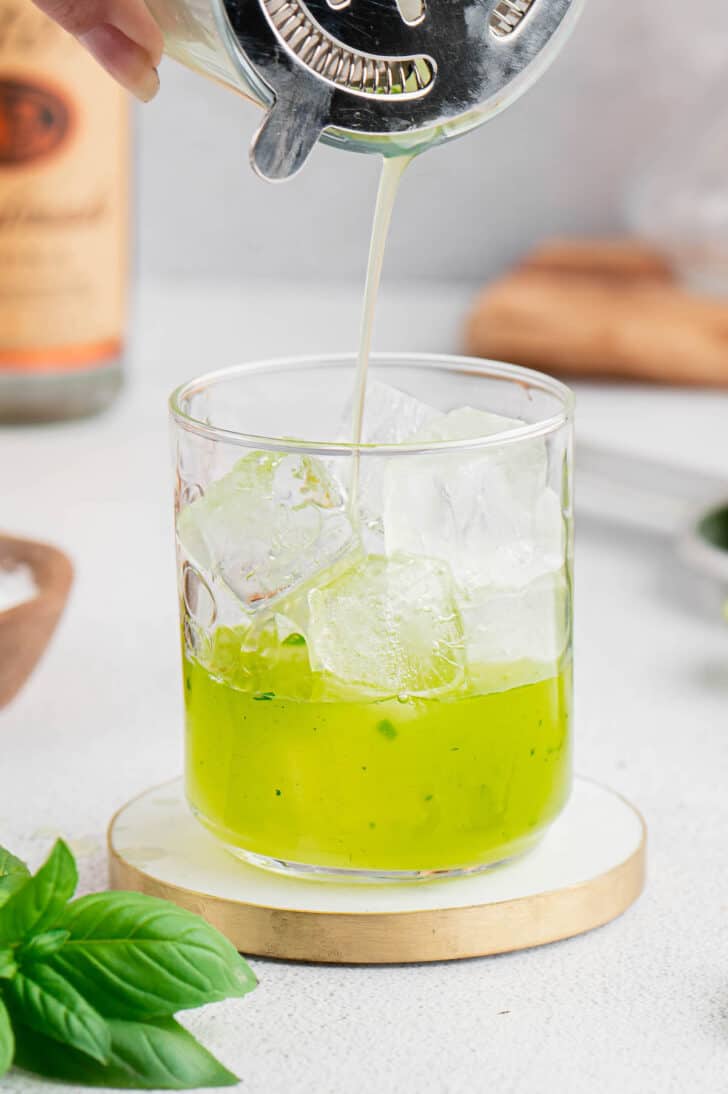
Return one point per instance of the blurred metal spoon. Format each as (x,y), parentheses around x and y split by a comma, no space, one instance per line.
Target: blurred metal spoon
(685,505)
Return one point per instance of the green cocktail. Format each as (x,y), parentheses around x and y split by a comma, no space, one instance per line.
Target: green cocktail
(286,772)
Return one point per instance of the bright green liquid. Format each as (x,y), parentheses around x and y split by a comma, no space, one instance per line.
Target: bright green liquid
(419,784)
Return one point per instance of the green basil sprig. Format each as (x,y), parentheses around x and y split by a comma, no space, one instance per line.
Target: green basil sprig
(89,987)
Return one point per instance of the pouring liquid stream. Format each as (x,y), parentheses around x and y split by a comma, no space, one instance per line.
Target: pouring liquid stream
(392,170)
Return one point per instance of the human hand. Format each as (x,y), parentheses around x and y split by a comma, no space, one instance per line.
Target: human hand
(121,34)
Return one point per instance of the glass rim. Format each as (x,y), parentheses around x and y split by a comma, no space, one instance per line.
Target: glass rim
(474,366)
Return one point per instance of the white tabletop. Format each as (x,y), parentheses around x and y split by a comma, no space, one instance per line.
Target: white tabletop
(638,1006)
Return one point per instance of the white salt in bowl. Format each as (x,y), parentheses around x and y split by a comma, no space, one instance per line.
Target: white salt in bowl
(35,580)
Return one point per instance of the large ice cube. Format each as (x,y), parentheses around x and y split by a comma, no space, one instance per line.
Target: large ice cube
(270,659)
(489,512)
(505,626)
(388,626)
(390,417)
(270,524)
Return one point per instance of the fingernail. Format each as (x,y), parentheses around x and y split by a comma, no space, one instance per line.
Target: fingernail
(148,86)
(126,61)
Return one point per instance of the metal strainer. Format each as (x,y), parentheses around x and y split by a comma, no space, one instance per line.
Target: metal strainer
(390,76)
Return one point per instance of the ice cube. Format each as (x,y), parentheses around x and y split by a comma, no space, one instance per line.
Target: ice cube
(465,423)
(259,660)
(388,626)
(390,417)
(505,626)
(488,512)
(270,524)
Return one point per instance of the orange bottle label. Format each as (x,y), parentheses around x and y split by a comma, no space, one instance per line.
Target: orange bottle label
(64,167)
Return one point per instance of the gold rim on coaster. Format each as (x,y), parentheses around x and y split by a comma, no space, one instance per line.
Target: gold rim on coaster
(393,936)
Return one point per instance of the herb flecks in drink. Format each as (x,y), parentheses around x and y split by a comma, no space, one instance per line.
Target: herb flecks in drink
(386,783)
(386,729)
(89,987)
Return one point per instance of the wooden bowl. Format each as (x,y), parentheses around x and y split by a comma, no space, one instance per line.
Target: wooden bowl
(26,629)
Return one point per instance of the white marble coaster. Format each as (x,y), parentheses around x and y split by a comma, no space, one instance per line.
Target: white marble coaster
(588,869)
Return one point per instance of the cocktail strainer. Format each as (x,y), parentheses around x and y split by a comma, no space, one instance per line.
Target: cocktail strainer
(376,75)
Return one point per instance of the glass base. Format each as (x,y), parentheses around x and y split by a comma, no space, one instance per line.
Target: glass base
(307,872)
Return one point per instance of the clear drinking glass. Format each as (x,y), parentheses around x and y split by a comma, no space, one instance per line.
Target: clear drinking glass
(376,639)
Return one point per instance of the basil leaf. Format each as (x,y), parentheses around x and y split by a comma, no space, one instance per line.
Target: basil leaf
(134,956)
(7,1041)
(42,898)
(13,875)
(42,946)
(165,1055)
(158,1055)
(8,965)
(43,1001)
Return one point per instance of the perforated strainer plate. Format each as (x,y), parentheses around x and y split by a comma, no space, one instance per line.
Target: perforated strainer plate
(508,15)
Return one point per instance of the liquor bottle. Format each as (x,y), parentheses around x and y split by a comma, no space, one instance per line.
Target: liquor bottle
(64,193)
